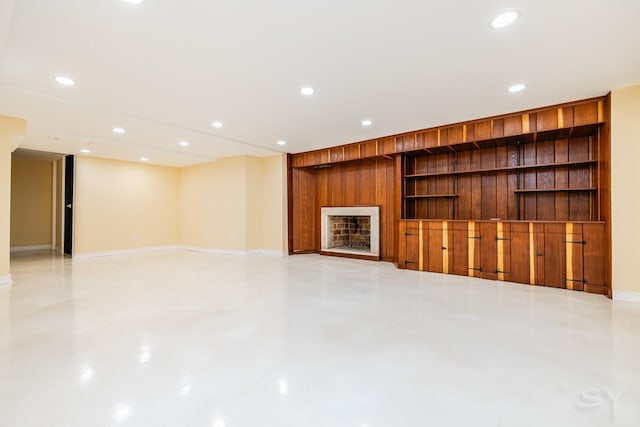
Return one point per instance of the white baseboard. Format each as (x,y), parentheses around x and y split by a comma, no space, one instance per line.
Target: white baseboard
(630,296)
(150,249)
(215,250)
(266,252)
(29,248)
(233,251)
(5,280)
(218,251)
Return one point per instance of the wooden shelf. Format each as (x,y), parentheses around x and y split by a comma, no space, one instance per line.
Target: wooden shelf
(432,196)
(555,190)
(505,168)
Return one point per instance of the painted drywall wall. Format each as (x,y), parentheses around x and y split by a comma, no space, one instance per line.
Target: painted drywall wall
(234,204)
(213,204)
(122,206)
(254,190)
(274,203)
(10,127)
(625,178)
(31,201)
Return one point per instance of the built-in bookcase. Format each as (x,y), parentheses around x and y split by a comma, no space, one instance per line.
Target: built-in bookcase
(548,177)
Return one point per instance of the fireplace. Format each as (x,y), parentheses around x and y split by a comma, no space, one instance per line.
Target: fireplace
(351,230)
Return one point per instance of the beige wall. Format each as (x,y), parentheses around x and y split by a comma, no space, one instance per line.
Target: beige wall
(234,204)
(9,127)
(274,203)
(213,204)
(121,205)
(31,201)
(625,179)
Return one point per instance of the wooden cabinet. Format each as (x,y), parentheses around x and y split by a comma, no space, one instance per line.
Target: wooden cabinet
(560,255)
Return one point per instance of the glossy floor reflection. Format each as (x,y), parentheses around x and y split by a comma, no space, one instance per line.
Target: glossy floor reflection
(189,339)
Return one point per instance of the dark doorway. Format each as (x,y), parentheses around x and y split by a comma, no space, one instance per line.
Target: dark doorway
(68,204)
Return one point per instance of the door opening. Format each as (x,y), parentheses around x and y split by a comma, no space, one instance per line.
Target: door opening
(69,162)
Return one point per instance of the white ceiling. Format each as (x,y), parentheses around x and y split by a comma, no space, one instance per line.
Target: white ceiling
(164,70)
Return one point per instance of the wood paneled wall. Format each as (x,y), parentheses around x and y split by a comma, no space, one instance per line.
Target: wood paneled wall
(546,164)
(363,183)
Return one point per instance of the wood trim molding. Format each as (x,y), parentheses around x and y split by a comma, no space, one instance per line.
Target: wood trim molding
(532,256)
(569,253)
(558,117)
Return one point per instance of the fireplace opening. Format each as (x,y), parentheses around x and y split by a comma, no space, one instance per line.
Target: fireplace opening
(350,232)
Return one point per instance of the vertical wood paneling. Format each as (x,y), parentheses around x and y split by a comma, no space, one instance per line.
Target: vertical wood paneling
(519,259)
(488,250)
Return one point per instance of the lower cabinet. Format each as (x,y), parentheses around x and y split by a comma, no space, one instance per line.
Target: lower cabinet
(561,255)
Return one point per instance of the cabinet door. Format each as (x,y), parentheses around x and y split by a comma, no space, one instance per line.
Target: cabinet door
(433,246)
(458,248)
(473,249)
(488,251)
(516,253)
(574,249)
(412,245)
(595,259)
(550,258)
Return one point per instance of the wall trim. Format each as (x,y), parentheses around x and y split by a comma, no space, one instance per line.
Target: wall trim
(6,280)
(233,251)
(30,248)
(215,250)
(630,296)
(267,252)
(152,249)
(149,249)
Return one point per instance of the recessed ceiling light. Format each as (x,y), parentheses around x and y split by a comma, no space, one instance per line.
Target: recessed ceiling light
(118,130)
(216,124)
(281,142)
(366,122)
(184,143)
(66,81)
(504,19)
(85,151)
(517,88)
(134,1)
(144,159)
(307,91)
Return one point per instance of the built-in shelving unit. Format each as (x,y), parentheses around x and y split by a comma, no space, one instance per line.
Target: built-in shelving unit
(523,197)
(506,179)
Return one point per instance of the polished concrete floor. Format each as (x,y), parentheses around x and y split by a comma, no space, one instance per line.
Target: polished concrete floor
(190,339)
